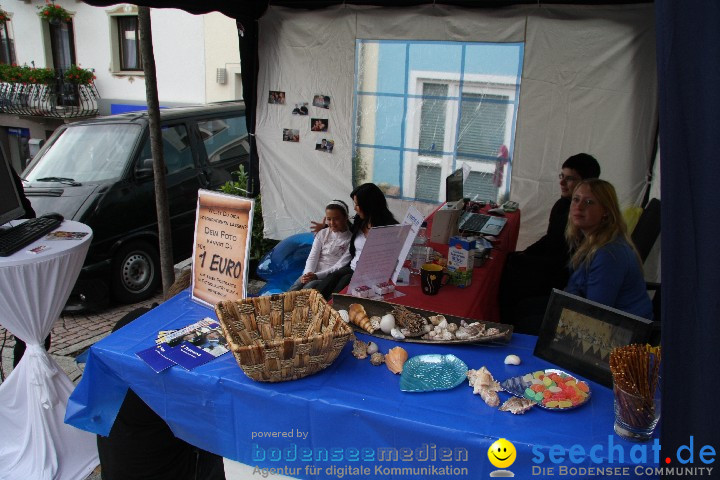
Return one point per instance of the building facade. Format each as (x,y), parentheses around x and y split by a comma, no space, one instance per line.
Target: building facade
(64,61)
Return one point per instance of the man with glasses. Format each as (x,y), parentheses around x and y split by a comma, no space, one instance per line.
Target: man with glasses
(530,275)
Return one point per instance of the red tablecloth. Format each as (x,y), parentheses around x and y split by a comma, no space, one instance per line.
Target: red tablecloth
(480,299)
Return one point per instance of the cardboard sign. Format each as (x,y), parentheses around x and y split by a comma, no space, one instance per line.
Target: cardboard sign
(221,249)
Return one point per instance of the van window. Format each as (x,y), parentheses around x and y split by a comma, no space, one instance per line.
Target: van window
(225,139)
(176,147)
(87,153)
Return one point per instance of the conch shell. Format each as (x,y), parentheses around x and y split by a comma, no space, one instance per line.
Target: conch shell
(359,317)
(485,385)
(395,359)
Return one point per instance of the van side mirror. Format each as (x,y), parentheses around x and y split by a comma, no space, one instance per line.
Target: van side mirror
(144,169)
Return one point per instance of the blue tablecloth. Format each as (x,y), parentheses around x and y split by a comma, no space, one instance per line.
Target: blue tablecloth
(352,412)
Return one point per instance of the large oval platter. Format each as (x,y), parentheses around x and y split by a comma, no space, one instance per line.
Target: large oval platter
(490,332)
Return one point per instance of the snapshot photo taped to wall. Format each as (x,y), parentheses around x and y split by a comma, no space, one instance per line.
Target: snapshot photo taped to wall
(221,249)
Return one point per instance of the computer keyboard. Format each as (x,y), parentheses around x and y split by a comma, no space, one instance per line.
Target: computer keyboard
(25,233)
(472,222)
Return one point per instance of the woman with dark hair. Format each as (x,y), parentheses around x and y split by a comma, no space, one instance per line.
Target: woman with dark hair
(371,211)
(606,267)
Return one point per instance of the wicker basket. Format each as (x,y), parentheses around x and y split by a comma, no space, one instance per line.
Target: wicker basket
(283,337)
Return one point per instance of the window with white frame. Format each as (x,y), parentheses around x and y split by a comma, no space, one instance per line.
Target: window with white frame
(125,40)
(424,109)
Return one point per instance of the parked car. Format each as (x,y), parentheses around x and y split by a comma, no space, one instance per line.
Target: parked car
(100,172)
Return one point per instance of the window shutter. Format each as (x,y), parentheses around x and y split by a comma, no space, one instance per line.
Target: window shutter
(482,125)
(480,184)
(427,185)
(432,120)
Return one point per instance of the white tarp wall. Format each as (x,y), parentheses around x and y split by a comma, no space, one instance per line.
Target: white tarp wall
(588,85)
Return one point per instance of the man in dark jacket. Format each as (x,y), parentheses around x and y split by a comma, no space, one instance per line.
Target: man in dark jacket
(530,275)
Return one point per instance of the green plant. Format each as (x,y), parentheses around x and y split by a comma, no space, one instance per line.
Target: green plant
(259,245)
(80,76)
(4,17)
(26,75)
(53,12)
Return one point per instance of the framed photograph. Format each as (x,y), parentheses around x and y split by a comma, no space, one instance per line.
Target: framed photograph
(578,335)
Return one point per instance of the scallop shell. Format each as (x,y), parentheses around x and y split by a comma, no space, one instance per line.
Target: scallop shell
(395,359)
(359,317)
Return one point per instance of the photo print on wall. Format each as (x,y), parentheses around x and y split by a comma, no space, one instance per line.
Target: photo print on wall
(322,101)
(276,97)
(291,135)
(300,109)
(319,124)
(325,145)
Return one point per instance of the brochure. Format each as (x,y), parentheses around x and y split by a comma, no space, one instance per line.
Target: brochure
(189,347)
(62,235)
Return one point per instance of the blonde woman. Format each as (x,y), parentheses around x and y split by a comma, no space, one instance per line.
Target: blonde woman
(605,265)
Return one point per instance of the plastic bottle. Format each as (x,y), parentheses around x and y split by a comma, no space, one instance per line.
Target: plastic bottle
(419,251)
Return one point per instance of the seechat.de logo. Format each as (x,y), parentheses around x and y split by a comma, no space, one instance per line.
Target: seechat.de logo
(502,454)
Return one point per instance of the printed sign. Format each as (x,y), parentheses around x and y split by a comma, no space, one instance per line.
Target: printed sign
(221,248)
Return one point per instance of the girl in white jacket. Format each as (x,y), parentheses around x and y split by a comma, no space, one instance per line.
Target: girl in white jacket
(329,247)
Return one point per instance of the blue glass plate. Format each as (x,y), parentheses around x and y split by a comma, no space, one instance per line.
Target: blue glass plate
(427,373)
(517,385)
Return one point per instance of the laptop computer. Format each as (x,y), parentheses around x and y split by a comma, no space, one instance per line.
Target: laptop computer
(481,224)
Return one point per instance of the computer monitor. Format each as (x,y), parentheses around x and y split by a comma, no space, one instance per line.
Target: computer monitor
(10,205)
(454,186)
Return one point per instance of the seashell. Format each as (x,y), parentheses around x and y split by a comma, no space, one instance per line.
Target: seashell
(372,348)
(387,323)
(395,359)
(411,321)
(397,334)
(517,405)
(452,327)
(344,315)
(485,385)
(359,317)
(443,324)
(375,323)
(377,358)
(512,360)
(436,319)
(359,350)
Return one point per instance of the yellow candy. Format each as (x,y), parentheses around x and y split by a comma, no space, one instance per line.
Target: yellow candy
(552,404)
(538,374)
(564,403)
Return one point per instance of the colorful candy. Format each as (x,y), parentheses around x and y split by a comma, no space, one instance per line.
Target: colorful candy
(555,390)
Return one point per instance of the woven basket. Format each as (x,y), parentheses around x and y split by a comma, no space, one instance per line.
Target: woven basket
(283,337)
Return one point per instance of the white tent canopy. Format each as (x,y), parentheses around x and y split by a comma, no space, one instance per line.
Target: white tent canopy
(588,84)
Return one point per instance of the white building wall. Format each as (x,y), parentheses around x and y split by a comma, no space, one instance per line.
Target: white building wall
(185,63)
(221,51)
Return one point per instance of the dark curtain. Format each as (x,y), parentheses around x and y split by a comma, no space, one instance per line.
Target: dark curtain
(688,57)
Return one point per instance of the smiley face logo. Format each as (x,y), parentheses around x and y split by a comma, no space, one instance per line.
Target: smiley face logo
(502,453)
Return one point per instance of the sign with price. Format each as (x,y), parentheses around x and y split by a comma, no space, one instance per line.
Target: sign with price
(222,243)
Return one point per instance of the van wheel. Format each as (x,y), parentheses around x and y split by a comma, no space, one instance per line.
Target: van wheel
(135,272)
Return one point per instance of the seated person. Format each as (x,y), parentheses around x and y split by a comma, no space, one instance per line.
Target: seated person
(530,275)
(372,211)
(606,267)
(328,249)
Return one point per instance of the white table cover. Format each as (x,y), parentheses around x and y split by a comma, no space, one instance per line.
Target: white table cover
(35,443)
